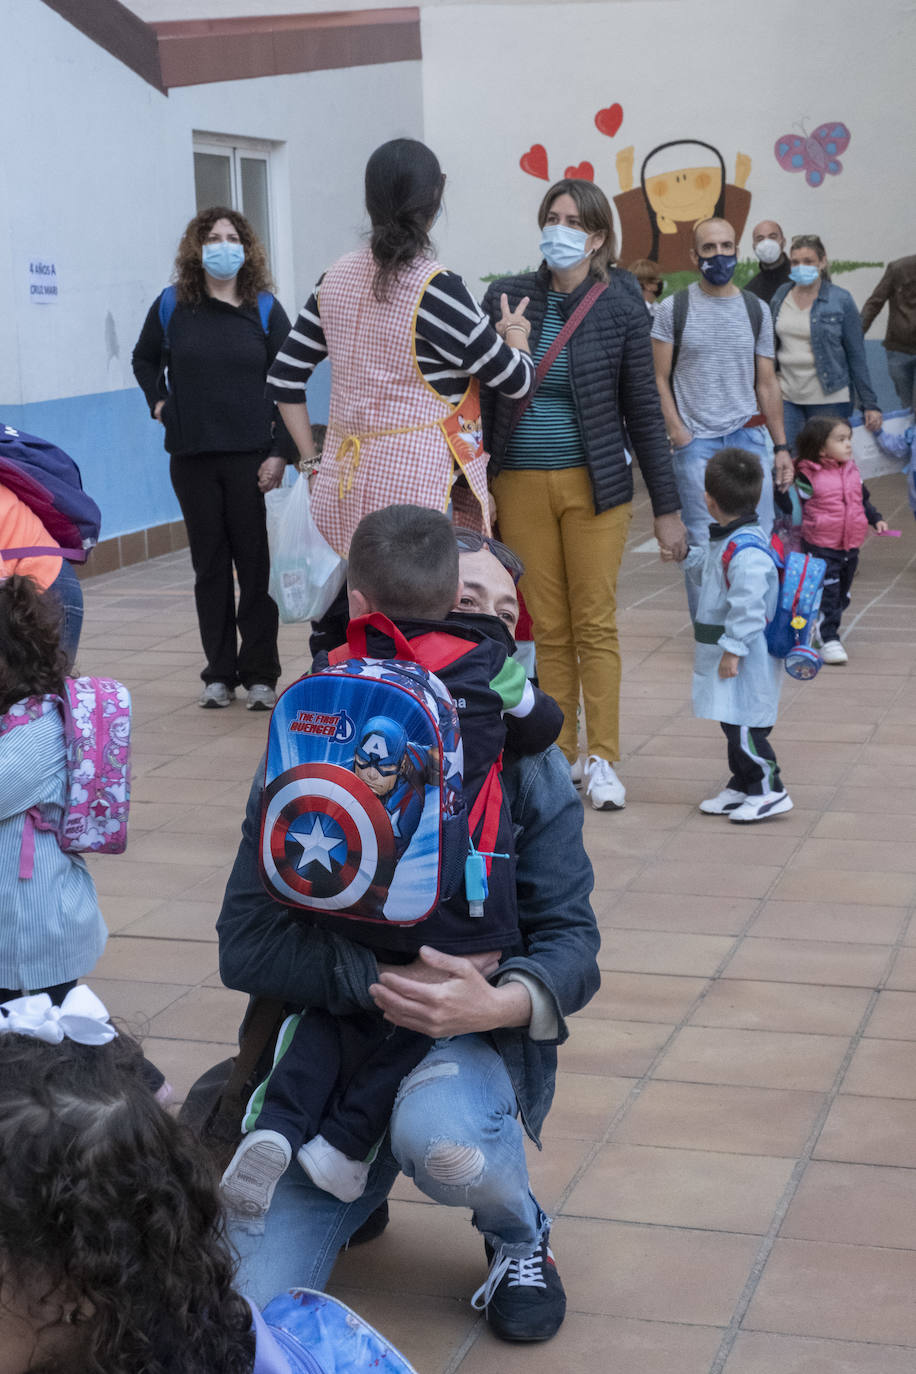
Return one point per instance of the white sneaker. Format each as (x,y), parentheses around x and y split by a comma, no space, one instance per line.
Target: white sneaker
(575,772)
(761,808)
(604,789)
(261,697)
(729,799)
(216,694)
(833,652)
(254,1171)
(330,1168)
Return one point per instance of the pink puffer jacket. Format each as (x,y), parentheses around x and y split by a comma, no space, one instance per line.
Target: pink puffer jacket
(834,516)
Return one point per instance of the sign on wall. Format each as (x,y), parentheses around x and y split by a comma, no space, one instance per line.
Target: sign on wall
(44,286)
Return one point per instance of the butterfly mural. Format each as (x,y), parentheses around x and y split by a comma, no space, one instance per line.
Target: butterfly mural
(817,154)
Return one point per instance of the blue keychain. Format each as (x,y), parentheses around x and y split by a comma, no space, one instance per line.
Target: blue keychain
(475,879)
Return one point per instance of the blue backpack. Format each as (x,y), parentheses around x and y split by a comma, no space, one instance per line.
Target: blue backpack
(48,481)
(169,299)
(801,582)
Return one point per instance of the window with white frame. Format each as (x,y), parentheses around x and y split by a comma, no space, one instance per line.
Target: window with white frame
(236,172)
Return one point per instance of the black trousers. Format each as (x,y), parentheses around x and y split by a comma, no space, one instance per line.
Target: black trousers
(751,759)
(337,1075)
(224,514)
(841,569)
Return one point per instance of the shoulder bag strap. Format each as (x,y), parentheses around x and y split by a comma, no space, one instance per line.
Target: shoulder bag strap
(559,343)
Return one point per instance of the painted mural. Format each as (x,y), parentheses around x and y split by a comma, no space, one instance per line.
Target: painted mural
(817,155)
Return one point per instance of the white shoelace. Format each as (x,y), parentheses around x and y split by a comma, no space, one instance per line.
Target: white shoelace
(529,1273)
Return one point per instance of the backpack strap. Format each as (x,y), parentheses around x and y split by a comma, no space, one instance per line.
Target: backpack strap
(754,313)
(746,541)
(486,811)
(39,551)
(356,636)
(265,305)
(679,320)
(555,349)
(168,299)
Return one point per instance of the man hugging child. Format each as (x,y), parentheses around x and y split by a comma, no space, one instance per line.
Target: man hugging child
(736,681)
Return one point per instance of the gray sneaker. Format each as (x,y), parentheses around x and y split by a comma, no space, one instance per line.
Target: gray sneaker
(216,694)
(261,697)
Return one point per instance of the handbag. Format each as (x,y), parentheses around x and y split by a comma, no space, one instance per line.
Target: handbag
(553,352)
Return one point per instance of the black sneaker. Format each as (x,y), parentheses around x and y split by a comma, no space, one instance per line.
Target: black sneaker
(524,1298)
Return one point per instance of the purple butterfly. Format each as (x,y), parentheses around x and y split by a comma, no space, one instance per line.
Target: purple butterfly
(817,154)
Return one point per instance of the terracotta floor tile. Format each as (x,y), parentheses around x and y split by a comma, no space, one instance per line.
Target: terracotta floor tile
(638,951)
(845,885)
(121,911)
(615,1048)
(426,1251)
(782,1006)
(854,1204)
(120,876)
(903,974)
(662,911)
(727,843)
(865,825)
(178,920)
(583,1105)
(792,824)
(694,1188)
(135,1003)
(759,1352)
(586,1343)
(655,1273)
(157,961)
(702,1116)
(875,799)
(187,848)
(644,996)
(718,879)
(894,1016)
(204,1014)
(183,1061)
(870,1130)
(860,855)
(848,1292)
(552,1171)
(829,921)
(754,1058)
(882,1068)
(810,961)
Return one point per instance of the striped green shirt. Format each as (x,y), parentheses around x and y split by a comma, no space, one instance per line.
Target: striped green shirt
(548,434)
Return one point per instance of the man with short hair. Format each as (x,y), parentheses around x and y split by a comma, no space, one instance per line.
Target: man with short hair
(770,250)
(897,289)
(714,351)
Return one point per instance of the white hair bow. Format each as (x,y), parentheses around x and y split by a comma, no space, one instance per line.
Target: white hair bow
(80,1017)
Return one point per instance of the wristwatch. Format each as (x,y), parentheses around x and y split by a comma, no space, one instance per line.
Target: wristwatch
(784,448)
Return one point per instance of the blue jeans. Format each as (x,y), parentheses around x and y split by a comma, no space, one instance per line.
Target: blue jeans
(689,472)
(795,417)
(902,367)
(454,1131)
(68,592)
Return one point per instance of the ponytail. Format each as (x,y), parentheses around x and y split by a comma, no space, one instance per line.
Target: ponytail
(403,192)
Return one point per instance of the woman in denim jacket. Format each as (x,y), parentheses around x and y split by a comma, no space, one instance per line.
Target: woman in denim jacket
(820,347)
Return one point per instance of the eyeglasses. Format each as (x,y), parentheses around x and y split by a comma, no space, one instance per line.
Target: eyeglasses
(469,541)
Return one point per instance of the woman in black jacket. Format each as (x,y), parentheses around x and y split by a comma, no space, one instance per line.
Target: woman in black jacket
(201,361)
(563,485)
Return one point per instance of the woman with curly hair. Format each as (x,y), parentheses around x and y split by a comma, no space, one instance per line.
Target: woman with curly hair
(112,1253)
(201,361)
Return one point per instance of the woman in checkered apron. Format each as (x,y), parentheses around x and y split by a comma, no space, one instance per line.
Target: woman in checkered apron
(409,348)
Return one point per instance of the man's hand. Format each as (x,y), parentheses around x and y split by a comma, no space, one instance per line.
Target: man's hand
(459,1002)
(671,536)
(729,665)
(422,972)
(270,474)
(783,470)
(679,436)
(873,420)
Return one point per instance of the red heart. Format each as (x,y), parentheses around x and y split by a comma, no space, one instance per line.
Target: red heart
(584,172)
(534,162)
(609,121)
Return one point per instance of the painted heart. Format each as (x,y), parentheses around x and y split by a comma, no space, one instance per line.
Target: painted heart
(609,121)
(584,172)
(534,162)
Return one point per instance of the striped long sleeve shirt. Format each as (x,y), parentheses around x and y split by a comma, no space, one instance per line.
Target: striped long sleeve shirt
(454,340)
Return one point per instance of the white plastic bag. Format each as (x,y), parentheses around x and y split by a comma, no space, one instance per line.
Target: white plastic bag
(305,572)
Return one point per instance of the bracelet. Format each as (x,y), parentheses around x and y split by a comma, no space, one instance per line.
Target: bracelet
(525,331)
(309,465)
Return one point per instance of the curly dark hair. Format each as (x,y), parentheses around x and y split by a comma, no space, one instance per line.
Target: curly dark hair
(188,274)
(110,1222)
(404,185)
(32,662)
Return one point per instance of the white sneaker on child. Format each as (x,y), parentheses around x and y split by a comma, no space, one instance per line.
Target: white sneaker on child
(603,788)
(729,799)
(833,652)
(254,1171)
(330,1168)
(761,808)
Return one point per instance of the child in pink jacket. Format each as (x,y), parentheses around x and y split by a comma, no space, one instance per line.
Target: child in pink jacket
(836,514)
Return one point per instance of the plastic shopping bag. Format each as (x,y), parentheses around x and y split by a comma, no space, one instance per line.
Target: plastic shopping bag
(305,572)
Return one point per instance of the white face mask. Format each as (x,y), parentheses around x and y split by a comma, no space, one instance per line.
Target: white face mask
(767,250)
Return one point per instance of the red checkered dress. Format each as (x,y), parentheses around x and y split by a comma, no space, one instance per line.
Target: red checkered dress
(384,443)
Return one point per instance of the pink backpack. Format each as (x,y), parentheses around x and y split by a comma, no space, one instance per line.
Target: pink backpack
(96,717)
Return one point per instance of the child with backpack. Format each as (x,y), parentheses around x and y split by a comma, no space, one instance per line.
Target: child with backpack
(331,1091)
(836,514)
(736,680)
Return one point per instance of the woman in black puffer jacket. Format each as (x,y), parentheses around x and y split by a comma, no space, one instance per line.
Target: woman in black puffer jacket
(563,485)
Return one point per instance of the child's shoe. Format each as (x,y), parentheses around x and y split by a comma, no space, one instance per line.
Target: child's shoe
(330,1168)
(727,800)
(604,789)
(254,1171)
(761,808)
(833,652)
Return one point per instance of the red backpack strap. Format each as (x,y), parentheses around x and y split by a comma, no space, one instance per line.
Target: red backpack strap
(559,343)
(728,553)
(356,636)
(487,809)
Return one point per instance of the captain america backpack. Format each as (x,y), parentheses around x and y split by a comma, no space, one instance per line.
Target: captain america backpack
(801,583)
(363,814)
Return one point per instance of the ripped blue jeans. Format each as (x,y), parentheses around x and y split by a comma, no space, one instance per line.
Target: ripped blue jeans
(454,1131)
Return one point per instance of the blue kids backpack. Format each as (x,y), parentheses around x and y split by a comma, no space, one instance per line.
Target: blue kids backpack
(801,582)
(363,813)
(304,1332)
(48,481)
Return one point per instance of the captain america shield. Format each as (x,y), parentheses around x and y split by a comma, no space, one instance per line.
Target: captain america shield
(326,840)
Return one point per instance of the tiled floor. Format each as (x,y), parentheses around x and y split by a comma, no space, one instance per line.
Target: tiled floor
(731,1158)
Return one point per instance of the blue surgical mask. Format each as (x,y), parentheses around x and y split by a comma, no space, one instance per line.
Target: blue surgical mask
(720,268)
(562,246)
(804,274)
(223,260)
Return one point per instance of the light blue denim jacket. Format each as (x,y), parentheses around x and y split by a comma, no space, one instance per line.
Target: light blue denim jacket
(837,341)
